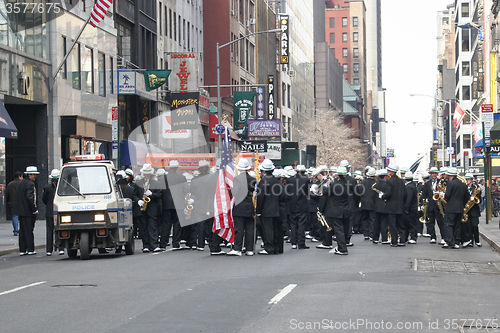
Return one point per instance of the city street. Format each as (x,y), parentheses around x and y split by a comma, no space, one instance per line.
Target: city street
(191,291)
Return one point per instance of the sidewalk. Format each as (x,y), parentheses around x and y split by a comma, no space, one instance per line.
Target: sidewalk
(10,243)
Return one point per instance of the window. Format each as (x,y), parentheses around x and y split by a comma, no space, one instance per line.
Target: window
(283,93)
(166,24)
(465,40)
(64,69)
(75,67)
(83,180)
(160,27)
(465,10)
(355,52)
(289,95)
(101,73)
(170,22)
(111,75)
(332,38)
(332,22)
(344,37)
(188,36)
(355,21)
(88,69)
(355,37)
(345,68)
(467,142)
(355,68)
(344,22)
(465,68)
(175,26)
(356,81)
(344,53)
(465,93)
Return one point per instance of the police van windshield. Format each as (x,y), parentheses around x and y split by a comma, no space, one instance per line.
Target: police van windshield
(84,180)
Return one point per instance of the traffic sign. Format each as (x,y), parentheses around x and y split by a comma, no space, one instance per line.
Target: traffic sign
(219,129)
(449,150)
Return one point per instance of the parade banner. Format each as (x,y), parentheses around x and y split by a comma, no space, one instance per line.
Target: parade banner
(243,103)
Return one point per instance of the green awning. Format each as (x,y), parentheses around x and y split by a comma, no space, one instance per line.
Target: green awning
(495,135)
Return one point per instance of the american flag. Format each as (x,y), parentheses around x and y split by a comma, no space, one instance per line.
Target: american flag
(223,203)
(99,11)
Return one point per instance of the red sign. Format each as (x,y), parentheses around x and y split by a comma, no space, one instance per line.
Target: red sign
(485,108)
(203,101)
(114,113)
(213,121)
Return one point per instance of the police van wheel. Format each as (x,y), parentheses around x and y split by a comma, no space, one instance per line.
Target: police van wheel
(130,246)
(72,253)
(84,246)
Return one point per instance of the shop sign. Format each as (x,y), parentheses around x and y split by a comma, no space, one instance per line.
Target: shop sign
(126,82)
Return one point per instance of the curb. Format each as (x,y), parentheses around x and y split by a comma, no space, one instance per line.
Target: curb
(489,241)
(16,249)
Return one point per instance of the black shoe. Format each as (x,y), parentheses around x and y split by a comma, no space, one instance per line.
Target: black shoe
(16,234)
(303,247)
(394,245)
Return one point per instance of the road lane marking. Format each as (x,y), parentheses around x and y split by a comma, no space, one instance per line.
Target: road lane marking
(21,288)
(282,294)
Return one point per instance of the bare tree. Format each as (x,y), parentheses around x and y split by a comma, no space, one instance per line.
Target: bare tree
(334,141)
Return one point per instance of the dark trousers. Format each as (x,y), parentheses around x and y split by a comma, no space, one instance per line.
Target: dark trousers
(380,226)
(466,234)
(298,226)
(341,228)
(189,233)
(26,236)
(315,227)
(170,221)
(474,232)
(270,232)
(411,228)
(49,230)
(201,231)
(357,221)
(435,216)
(327,235)
(215,241)
(153,231)
(243,229)
(144,231)
(279,234)
(453,228)
(396,226)
(367,222)
(136,222)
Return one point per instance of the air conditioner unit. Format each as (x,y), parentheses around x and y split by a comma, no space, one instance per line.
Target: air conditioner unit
(120,62)
(253,21)
(291,73)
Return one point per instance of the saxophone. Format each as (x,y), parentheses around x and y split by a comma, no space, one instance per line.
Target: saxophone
(424,218)
(189,207)
(145,198)
(473,200)
(441,201)
(377,190)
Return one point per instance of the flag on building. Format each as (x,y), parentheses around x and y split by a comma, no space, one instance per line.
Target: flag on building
(414,166)
(376,155)
(458,116)
(223,203)
(99,11)
(155,78)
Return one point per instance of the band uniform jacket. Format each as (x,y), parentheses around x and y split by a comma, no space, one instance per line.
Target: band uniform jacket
(136,210)
(49,192)
(380,205)
(353,197)
(298,189)
(313,201)
(337,200)
(203,188)
(174,190)
(475,211)
(368,194)
(394,195)
(427,193)
(456,196)
(25,195)
(127,191)
(268,197)
(243,189)
(411,204)
(153,207)
(10,195)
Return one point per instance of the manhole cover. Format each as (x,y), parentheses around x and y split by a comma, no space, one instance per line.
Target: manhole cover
(450,266)
(73,285)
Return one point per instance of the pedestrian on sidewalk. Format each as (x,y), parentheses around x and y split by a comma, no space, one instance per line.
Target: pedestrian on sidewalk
(48,199)
(10,197)
(26,199)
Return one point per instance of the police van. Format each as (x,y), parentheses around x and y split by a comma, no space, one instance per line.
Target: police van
(89,208)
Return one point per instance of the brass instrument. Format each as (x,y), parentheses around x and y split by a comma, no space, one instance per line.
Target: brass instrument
(377,190)
(441,201)
(145,198)
(322,220)
(473,200)
(189,207)
(424,218)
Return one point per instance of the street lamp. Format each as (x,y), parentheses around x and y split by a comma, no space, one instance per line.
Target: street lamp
(219,106)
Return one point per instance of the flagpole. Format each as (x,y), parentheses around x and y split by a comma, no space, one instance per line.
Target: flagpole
(69,51)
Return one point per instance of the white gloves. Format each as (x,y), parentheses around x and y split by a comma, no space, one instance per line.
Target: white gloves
(185,211)
(442,194)
(36,212)
(259,214)
(148,193)
(140,203)
(380,195)
(190,201)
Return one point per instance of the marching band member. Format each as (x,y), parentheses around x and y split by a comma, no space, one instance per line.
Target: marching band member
(353,200)
(299,207)
(410,214)
(456,197)
(433,213)
(474,213)
(315,193)
(368,204)
(394,196)
(381,222)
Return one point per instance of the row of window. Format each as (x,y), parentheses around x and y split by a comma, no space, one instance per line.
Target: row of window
(355,68)
(355,53)
(355,37)
(344,22)
(83,68)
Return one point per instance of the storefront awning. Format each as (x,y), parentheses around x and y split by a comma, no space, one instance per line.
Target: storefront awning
(7,127)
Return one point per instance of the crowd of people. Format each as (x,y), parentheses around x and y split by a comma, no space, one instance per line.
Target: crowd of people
(324,205)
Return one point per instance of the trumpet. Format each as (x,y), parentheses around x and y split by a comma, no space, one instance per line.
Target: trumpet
(322,220)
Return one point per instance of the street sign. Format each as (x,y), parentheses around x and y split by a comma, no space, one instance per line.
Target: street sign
(449,150)
(488,120)
(390,152)
(219,129)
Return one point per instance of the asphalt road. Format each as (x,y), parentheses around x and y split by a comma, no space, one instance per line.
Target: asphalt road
(190,291)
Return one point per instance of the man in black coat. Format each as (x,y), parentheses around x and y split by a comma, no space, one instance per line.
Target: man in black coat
(410,215)
(243,211)
(381,212)
(136,210)
(353,198)
(394,198)
(10,198)
(315,193)
(149,218)
(27,201)
(472,224)
(368,196)
(268,195)
(456,197)
(336,209)
(174,190)
(48,194)
(298,187)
